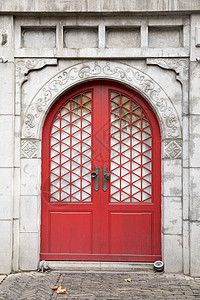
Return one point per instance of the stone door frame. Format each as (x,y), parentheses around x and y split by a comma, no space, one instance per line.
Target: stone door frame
(30,162)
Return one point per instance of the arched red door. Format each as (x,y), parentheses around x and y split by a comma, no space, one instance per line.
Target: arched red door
(101,165)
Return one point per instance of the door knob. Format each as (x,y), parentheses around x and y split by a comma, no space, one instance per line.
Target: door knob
(106,176)
(95,175)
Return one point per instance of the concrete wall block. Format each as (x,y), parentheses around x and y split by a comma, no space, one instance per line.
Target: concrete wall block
(6,48)
(6,175)
(6,246)
(186,191)
(167,37)
(195,24)
(17,141)
(123,37)
(15,258)
(80,37)
(186,153)
(173,253)
(6,138)
(100,6)
(172,215)
(30,181)
(195,248)
(16,192)
(172,177)
(194,87)
(186,248)
(194,141)
(194,194)
(38,37)
(29,251)
(29,214)
(7,89)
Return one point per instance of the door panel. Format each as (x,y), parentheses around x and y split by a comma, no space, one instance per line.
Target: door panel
(123,226)
(107,128)
(71,232)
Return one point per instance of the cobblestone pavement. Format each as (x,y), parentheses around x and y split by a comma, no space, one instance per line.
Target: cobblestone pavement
(99,285)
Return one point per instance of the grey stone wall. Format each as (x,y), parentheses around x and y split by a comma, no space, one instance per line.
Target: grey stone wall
(52,6)
(194,146)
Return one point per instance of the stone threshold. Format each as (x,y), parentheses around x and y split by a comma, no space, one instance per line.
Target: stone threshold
(100,266)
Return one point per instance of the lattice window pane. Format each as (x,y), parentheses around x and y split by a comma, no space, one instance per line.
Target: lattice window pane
(131,151)
(70,178)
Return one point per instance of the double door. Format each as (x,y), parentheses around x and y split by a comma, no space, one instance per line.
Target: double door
(101,176)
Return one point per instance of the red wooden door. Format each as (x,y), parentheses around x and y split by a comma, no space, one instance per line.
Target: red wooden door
(114,216)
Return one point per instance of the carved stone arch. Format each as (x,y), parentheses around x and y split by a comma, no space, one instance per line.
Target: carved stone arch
(134,78)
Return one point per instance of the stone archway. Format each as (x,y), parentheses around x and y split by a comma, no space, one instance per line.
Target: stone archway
(48,94)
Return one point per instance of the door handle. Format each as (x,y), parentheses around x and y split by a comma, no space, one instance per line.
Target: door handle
(106,176)
(95,175)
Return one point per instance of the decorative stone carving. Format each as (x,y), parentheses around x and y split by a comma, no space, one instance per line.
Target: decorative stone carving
(136,79)
(23,67)
(29,148)
(179,65)
(173,149)
(3,36)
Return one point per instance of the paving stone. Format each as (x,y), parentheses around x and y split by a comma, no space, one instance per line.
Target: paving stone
(99,285)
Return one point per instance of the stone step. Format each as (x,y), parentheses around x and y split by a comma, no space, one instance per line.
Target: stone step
(100,266)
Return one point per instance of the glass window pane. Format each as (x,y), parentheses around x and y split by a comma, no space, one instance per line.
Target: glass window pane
(71,128)
(130,151)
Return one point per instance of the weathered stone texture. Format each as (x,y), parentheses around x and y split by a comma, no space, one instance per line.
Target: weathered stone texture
(99,6)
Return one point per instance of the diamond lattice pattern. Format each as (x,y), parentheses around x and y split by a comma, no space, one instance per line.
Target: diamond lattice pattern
(70,178)
(131,149)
